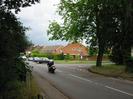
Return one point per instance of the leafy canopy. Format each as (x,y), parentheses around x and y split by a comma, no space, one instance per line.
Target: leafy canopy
(16,4)
(13,41)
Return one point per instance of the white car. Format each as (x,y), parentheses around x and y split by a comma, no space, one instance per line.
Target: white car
(30,59)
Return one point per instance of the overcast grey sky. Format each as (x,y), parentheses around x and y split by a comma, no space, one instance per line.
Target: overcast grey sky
(38,17)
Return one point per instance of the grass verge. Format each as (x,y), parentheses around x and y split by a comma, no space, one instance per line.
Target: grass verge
(117,71)
(77,62)
(21,90)
(30,90)
(72,62)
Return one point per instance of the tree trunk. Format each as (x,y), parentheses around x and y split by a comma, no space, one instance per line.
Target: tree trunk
(100,52)
(128,31)
(100,56)
(126,53)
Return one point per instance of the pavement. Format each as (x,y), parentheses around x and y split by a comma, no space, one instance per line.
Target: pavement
(73,81)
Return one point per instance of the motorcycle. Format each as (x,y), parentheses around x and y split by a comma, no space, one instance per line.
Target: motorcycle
(51,67)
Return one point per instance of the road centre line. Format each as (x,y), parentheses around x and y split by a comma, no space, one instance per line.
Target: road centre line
(130,94)
(81,78)
(111,88)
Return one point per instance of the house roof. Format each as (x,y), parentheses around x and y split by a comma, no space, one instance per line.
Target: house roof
(51,48)
(75,49)
(37,47)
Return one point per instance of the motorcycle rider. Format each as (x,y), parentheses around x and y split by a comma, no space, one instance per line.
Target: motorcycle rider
(50,64)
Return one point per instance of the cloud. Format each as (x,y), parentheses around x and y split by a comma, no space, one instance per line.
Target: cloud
(38,17)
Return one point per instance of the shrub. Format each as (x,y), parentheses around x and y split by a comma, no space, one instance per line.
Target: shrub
(68,57)
(38,54)
(55,56)
(61,56)
(48,55)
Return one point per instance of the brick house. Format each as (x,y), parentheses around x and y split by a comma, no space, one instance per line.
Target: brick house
(75,49)
(57,49)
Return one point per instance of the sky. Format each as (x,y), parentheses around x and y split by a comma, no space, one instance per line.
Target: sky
(37,18)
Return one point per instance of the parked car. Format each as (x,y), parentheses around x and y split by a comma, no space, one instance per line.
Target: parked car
(36,59)
(41,60)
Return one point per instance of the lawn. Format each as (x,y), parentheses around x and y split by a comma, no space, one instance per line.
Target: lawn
(113,71)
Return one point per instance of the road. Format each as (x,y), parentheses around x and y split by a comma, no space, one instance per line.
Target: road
(73,81)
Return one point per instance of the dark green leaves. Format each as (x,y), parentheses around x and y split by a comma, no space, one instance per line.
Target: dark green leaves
(13,41)
(16,4)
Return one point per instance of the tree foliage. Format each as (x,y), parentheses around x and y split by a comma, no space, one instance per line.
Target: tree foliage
(107,22)
(13,41)
(122,41)
(16,4)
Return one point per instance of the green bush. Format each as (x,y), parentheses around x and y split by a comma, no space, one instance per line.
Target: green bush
(58,57)
(61,56)
(38,54)
(55,56)
(68,57)
(48,55)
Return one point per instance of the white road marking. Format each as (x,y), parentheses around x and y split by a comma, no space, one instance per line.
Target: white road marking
(81,78)
(90,81)
(130,94)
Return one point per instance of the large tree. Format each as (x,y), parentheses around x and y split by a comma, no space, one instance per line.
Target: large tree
(106,21)
(84,19)
(122,41)
(13,41)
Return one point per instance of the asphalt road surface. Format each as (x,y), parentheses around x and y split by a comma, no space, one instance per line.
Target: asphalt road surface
(73,81)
